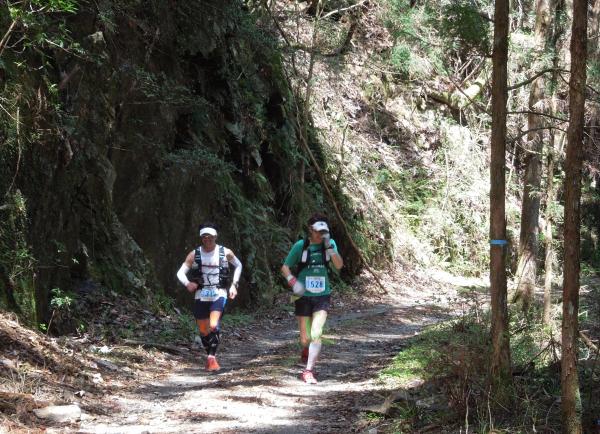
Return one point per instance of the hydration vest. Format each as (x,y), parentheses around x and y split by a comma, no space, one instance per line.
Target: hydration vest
(195,273)
(306,255)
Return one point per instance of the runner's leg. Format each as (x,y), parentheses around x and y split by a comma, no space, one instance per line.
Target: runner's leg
(203,328)
(304,324)
(214,334)
(318,322)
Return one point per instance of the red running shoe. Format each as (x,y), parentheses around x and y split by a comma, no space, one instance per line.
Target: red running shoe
(308,377)
(304,356)
(212,364)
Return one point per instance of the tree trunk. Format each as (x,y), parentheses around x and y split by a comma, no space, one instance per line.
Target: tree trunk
(530,210)
(555,151)
(500,369)
(571,399)
(549,237)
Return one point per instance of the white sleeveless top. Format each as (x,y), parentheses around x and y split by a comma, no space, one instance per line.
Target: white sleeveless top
(210,290)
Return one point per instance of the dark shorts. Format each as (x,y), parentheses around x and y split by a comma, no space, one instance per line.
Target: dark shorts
(306,306)
(202,309)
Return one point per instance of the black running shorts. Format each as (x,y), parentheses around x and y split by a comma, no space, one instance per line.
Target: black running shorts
(306,306)
(202,309)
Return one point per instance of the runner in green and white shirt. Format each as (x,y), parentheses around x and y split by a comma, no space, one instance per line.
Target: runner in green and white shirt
(310,259)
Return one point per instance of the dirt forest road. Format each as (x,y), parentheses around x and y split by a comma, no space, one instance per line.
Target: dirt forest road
(258,389)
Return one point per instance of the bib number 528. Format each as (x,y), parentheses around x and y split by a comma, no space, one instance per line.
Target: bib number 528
(315,283)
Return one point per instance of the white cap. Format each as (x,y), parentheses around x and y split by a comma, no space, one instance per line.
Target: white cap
(208,231)
(320,226)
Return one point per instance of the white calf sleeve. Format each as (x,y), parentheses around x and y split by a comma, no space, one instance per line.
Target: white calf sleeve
(313,354)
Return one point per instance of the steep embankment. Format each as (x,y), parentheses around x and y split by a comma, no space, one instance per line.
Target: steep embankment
(125,126)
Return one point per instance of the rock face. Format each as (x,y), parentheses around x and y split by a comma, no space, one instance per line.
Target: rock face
(155,117)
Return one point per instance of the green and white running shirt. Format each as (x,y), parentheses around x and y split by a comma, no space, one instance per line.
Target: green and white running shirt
(314,275)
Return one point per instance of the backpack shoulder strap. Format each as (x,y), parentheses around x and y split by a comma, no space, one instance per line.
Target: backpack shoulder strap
(304,257)
(195,273)
(305,246)
(198,258)
(225,275)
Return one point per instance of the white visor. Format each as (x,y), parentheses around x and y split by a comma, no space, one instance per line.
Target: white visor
(208,231)
(320,226)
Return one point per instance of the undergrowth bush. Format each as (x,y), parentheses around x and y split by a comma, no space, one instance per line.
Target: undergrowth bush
(453,358)
(434,37)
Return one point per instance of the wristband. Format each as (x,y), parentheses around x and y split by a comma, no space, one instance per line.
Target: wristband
(289,277)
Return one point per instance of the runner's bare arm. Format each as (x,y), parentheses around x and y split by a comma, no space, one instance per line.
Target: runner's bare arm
(237,264)
(285,270)
(337,260)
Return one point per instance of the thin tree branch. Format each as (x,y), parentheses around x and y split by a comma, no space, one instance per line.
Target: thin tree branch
(531,112)
(7,112)
(4,40)
(18,151)
(524,133)
(586,340)
(531,79)
(327,15)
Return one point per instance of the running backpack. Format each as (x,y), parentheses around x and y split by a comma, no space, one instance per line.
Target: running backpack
(305,256)
(195,273)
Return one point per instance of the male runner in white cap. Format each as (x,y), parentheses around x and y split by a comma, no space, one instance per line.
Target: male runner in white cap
(206,273)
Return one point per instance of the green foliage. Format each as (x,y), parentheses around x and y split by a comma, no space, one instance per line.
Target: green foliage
(237,319)
(428,355)
(443,351)
(16,260)
(446,210)
(182,329)
(160,89)
(400,58)
(60,300)
(161,303)
(593,70)
(60,303)
(29,99)
(407,26)
(413,186)
(39,25)
(430,37)
(590,228)
(454,355)
(463,28)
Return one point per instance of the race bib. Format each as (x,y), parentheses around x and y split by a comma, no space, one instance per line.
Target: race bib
(209,293)
(315,284)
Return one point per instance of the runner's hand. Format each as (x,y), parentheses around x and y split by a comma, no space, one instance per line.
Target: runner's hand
(326,240)
(291,280)
(298,289)
(232,292)
(192,287)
